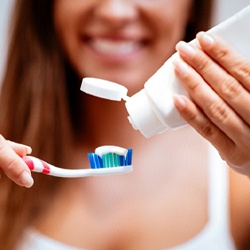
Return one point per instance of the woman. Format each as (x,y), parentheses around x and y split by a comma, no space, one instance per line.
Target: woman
(165,202)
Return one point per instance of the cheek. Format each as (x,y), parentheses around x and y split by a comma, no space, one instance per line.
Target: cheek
(171,19)
(63,21)
(63,13)
(67,22)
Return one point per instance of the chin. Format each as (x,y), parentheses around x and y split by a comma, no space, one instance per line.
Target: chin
(132,83)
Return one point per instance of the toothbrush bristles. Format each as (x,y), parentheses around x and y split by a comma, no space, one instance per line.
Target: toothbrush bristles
(110,160)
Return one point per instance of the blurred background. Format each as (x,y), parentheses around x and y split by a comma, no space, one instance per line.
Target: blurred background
(222,10)
(5,8)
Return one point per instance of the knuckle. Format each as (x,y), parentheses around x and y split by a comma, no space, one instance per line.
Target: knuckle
(191,117)
(229,88)
(218,111)
(202,65)
(12,169)
(208,130)
(203,125)
(242,70)
(222,55)
(193,86)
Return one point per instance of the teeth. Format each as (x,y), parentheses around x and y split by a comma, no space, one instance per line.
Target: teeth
(114,47)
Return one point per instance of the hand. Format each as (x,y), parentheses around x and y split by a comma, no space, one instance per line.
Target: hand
(217,79)
(12,164)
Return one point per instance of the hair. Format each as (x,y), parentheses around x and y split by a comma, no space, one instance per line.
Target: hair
(38,106)
(200,18)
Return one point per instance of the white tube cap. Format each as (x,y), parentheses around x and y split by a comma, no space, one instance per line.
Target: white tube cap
(104,89)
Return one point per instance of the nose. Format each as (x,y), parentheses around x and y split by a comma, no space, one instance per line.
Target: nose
(116,12)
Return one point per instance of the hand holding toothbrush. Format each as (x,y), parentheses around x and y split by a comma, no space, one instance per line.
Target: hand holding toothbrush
(217,79)
(12,164)
(15,163)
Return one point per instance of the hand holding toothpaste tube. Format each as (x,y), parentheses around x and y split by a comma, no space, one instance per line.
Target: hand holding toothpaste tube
(217,79)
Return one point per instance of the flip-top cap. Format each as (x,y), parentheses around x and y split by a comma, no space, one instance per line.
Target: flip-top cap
(104,89)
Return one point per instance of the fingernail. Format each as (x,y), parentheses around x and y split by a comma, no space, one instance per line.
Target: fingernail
(28,150)
(185,49)
(26,179)
(205,38)
(181,67)
(179,102)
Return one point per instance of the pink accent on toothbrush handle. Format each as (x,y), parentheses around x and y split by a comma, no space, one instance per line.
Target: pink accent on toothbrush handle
(29,163)
(32,165)
(46,168)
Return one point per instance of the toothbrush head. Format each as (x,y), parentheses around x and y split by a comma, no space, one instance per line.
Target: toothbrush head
(109,157)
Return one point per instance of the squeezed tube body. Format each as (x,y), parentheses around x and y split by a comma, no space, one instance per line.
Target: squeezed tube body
(151,110)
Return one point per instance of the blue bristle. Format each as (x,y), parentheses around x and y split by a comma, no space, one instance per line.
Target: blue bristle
(122,160)
(129,157)
(91,160)
(100,163)
(95,161)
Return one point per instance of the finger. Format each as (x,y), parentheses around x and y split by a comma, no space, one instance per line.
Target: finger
(20,149)
(218,78)
(13,166)
(212,105)
(197,119)
(221,52)
(225,146)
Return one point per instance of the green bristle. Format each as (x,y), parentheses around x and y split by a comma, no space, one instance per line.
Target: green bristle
(105,161)
(116,160)
(110,160)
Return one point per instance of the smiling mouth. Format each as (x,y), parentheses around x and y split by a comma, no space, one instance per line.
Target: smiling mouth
(114,47)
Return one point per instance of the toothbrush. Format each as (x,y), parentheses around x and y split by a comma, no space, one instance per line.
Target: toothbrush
(105,161)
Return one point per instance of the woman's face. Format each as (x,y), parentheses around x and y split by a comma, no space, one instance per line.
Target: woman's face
(124,41)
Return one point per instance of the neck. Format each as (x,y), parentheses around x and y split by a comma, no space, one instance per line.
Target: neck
(108,123)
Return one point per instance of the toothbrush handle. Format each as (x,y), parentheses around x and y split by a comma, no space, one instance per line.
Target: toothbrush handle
(39,166)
